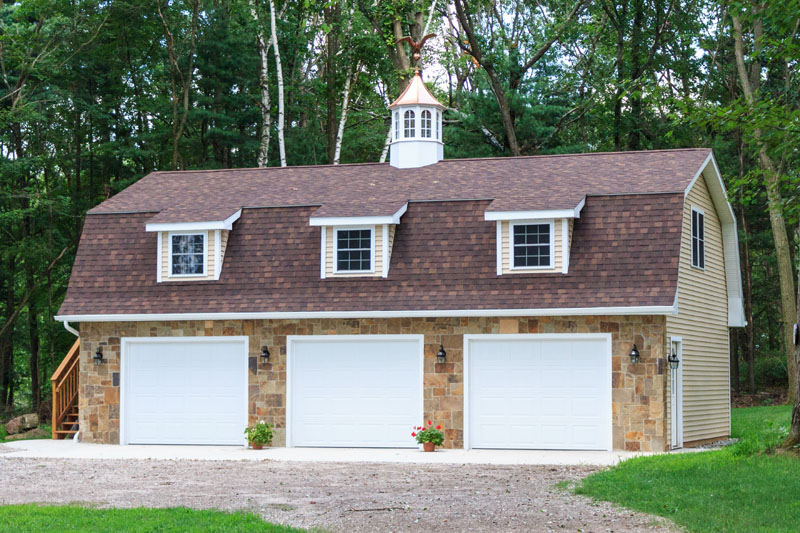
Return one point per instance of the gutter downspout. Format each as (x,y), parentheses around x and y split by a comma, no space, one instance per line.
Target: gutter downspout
(71,329)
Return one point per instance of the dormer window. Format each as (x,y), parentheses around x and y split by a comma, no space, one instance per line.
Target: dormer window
(409,124)
(532,245)
(187,254)
(425,124)
(354,250)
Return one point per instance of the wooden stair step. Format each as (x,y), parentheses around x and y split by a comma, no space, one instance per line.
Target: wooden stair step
(66,431)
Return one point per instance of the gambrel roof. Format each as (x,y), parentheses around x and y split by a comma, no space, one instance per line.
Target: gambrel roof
(624,253)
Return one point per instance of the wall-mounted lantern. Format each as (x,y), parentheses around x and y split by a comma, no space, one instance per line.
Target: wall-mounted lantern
(441,355)
(634,355)
(673,360)
(264,355)
(98,356)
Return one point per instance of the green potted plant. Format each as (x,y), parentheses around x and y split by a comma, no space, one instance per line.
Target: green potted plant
(430,437)
(258,435)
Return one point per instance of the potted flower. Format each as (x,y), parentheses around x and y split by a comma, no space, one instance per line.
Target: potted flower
(258,435)
(429,436)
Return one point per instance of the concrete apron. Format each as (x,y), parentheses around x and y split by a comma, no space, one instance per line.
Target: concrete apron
(66,449)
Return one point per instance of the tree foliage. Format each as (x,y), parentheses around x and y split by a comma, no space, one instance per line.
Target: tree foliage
(94,95)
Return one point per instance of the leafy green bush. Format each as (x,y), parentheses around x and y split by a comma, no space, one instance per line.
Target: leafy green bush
(428,434)
(771,372)
(261,433)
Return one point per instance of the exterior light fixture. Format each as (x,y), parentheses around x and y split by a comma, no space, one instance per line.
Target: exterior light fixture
(98,356)
(264,355)
(673,360)
(441,355)
(634,355)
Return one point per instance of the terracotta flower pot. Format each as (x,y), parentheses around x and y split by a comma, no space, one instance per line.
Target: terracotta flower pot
(258,446)
(428,446)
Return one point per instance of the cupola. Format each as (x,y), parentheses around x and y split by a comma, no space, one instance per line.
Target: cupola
(416,127)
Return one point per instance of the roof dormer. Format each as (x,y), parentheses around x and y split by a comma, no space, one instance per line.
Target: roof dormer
(416,127)
(191,245)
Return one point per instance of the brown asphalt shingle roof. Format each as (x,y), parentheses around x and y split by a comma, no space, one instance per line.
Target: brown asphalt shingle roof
(625,244)
(533,178)
(443,258)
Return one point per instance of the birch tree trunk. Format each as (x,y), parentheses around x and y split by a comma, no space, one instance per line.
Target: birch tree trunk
(279,74)
(263,83)
(777,222)
(351,78)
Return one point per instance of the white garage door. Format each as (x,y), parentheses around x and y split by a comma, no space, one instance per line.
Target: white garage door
(184,390)
(354,391)
(539,392)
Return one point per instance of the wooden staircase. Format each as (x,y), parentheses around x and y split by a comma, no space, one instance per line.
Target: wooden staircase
(65,394)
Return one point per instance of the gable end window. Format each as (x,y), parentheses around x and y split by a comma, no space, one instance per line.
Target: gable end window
(354,250)
(532,245)
(698,239)
(187,254)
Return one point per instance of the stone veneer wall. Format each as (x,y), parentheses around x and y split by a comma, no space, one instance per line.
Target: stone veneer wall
(638,396)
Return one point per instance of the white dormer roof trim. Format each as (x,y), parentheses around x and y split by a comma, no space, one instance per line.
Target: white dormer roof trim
(359,221)
(542,214)
(226,224)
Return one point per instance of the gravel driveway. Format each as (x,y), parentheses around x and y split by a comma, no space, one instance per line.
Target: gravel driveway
(332,496)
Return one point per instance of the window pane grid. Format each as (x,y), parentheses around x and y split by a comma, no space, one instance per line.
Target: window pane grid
(698,240)
(531,244)
(425,124)
(353,250)
(187,254)
(409,124)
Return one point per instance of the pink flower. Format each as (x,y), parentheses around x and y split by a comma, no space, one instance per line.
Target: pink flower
(430,423)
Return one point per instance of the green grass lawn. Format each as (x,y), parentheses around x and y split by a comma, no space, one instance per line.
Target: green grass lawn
(44,427)
(72,518)
(739,488)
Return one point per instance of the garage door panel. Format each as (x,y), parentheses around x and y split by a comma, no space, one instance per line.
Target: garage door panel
(363,392)
(188,391)
(539,393)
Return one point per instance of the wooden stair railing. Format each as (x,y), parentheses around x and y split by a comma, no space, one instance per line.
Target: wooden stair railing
(65,394)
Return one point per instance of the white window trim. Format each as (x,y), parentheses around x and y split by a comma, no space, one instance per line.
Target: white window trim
(565,246)
(511,225)
(324,252)
(205,254)
(159,256)
(385,251)
(217,253)
(371,250)
(499,248)
(699,211)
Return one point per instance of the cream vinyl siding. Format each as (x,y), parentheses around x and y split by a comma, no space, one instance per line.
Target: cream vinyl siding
(391,240)
(210,258)
(223,243)
(702,323)
(330,232)
(506,226)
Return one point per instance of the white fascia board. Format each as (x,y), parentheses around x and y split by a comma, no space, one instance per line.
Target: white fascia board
(296,315)
(535,215)
(359,221)
(195,226)
(730,238)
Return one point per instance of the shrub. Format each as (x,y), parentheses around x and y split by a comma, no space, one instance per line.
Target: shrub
(261,433)
(771,372)
(428,434)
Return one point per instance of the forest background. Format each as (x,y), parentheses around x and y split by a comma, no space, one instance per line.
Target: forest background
(96,94)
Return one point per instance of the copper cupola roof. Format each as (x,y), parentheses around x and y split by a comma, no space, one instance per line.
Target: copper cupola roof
(416,94)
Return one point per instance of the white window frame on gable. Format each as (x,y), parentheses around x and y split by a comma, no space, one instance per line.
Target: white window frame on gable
(336,231)
(512,247)
(170,252)
(698,238)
